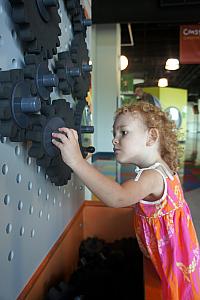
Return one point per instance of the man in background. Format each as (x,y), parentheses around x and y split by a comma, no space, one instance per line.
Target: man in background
(141,95)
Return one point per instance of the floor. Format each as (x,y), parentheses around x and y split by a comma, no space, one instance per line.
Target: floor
(189,174)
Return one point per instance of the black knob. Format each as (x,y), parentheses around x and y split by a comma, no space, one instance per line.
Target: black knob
(87,129)
(89,149)
(30,104)
(50,80)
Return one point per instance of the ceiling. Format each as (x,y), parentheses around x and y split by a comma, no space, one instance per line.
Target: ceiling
(155,30)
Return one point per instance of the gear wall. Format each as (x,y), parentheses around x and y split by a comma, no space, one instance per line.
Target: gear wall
(40,89)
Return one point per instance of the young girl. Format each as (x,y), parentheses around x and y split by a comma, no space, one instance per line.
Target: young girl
(144,136)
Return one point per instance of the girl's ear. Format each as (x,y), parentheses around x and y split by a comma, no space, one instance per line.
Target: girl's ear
(153,136)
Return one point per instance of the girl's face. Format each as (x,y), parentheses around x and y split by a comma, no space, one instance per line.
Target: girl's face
(130,137)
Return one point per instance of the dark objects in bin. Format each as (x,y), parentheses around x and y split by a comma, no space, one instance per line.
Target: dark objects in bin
(104,271)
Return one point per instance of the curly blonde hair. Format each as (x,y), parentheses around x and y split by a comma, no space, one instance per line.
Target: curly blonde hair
(154,117)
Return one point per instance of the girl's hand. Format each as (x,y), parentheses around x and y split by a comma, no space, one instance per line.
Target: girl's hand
(68,145)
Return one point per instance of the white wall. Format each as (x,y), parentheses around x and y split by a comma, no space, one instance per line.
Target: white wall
(105,82)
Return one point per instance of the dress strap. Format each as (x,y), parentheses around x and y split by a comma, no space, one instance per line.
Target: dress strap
(153,167)
(166,171)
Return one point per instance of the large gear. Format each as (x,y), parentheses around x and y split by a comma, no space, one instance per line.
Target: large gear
(38,22)
(36,69)
(66,72)
(79,55)
(18,104)
(57,115)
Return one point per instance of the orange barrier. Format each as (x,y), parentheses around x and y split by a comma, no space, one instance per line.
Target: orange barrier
(92,219)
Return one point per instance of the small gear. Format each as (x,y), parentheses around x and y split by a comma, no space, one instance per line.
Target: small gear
(77,16)
(38,22)
(91,246)
(80,22)
(79,55)
(36,69)
(81,129)
(53,116)
(17,104)
(66,72)
(72,6)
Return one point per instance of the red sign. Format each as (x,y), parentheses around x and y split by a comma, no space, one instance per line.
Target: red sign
(190,44)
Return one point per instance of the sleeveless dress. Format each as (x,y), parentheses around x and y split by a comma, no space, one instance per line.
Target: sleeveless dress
(166,234)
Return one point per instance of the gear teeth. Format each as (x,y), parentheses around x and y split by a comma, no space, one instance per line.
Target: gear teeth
(19,137)
(29,72)
(30,59)
(36,151)
(54,50)
(34,136)
(44,162)
(57,45)
(79,55)
(35,68)
(18,15)
(48,110)
(38,120)
(33,89)
(5,112)
(67,72)
(11,76)
(26,35)
(58,172)
(72,7)
(12,85)
(5,91)
(7,129)
(49,53)
(32,29)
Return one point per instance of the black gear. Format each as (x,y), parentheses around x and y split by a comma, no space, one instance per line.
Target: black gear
(36,69)
(66,72)
(90,247)
(73,7)
(38,22)
(46,154)
(79,21)
(17,103)
(78,113)
(77,16)
(79,55)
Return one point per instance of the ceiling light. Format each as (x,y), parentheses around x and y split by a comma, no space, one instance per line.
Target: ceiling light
(123,62)
(162,82)
(172,64)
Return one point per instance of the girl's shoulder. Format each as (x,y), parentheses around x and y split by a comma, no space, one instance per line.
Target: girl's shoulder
(156,175)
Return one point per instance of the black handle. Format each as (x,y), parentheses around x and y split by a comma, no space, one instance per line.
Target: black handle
(89,149)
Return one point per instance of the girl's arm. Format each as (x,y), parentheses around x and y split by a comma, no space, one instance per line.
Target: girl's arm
(106,189)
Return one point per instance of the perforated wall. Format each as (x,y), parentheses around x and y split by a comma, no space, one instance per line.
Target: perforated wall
(33,211)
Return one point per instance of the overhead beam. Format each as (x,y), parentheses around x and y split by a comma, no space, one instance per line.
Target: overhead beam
(145,11)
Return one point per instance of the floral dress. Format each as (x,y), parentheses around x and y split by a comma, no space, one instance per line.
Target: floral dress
(166,235)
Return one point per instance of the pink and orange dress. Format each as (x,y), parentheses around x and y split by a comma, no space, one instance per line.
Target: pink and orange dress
(166,234)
